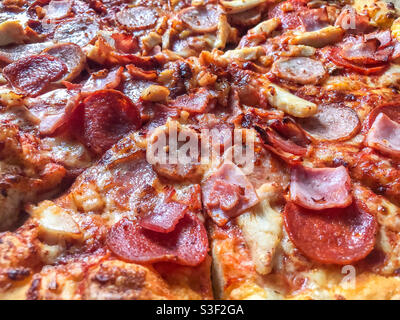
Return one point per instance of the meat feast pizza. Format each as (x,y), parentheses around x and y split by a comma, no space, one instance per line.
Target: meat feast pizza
(199,149)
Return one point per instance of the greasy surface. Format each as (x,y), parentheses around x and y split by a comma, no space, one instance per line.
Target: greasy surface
(85,86)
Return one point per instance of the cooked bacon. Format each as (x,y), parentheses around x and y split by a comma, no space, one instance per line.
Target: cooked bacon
(200,19)
(72,55)
(301,70)
(140,74)
(103,118)
(187,244)
(200,101)
(33,74)
(282,146)
(384,136)
(227,193)
(320,188)
(333,122)
(58,9)
(103,79)
(137,18)
(339,235)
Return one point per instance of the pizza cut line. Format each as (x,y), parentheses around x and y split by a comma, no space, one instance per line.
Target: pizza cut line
(292,107)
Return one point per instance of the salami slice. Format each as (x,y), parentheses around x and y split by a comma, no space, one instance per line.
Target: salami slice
(186,245)
(338,236)
(137,18)
(301,70)
(72,55)
(333,122)
(31,75)
(200,19)
(103,118)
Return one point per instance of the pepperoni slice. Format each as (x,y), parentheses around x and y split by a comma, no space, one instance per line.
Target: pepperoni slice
(33,74)
(320,188)
(137,18)
(186,245)
(103,118)
(72,55)
(200,19)
(333,122)
(300,70)
(392,110)
(339,235)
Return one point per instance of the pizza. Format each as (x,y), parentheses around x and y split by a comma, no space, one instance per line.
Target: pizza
(204,149)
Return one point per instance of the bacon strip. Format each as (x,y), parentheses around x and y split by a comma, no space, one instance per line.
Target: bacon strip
(320,188)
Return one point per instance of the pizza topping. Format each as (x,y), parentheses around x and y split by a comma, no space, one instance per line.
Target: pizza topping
(13,53)
(72,55)
(200,19)
(104,117)
(320,188)
(137,18)
(301,70)
(33,74)
(50,108)
(187,244)
(334,55)
(392,110)
(314,19)
(338,235)
(333,122)
(278,143)
(228,193)
(384,136)
(368,50)
(103,79)
(200,101)
(79,30)
(163,216)
(288,13)
(352,22)
(58,9)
